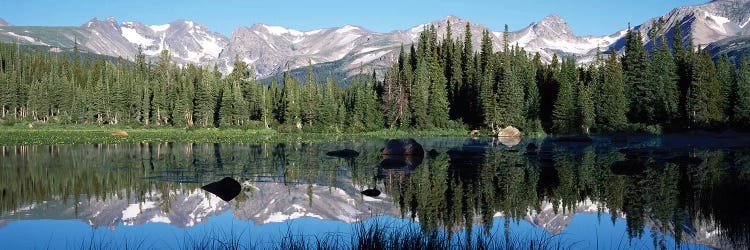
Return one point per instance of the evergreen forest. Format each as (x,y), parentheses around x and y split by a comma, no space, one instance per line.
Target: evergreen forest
(436,83)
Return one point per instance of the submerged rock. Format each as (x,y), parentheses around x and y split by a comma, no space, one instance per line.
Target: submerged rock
(226,188)
(402,147)
(344,153)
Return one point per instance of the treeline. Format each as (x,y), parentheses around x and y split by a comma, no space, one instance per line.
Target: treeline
(44,87)
(661,89)
(437,83)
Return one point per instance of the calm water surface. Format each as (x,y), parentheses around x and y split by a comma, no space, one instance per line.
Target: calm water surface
(645,192)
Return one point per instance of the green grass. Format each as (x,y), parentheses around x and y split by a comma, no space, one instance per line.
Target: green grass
(46,134)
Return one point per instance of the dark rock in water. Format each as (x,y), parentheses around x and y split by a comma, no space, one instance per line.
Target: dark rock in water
(402,147)
(226,188)
(401,162)
(432,153)
(628,167)
(619,139)
(344,153)
(531,147)
(728,134)
(573,138)
(371,192)
(684,160)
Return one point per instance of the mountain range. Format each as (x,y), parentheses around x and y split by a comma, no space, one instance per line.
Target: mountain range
(268,202)
(719,24)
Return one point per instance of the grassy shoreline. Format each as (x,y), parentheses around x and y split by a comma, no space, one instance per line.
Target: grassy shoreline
(103,135)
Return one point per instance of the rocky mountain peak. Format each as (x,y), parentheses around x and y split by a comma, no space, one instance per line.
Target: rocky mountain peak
(552,26)
(4,23)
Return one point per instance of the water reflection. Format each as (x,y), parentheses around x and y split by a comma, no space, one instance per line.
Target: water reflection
(665,189)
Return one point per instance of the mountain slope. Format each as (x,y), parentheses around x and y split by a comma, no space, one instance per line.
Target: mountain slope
(273,49)
(4,23)
(702,24)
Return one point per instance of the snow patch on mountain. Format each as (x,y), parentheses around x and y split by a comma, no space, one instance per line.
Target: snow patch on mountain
(718,22)
(28,39)
(280,31)
(134,37)
(313,32)
(346,29)
(159,28)
(134,209)
(368,58)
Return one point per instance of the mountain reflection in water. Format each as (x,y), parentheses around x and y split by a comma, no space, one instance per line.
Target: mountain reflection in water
(659,191)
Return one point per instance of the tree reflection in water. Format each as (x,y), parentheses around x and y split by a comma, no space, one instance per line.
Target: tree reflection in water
(681,192)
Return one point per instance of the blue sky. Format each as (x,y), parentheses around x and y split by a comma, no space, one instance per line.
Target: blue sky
(585,17)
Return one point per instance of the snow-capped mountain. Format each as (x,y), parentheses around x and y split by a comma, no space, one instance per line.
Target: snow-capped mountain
(273,49)
(186,41)
(4,23)
(703,24)
(263,202)
(268,202)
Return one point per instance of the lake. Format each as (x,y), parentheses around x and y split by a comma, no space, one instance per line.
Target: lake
(614,193)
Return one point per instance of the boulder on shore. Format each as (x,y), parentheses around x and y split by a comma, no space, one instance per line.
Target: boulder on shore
(509,131)
(119,133)
(403,147)
(474,133)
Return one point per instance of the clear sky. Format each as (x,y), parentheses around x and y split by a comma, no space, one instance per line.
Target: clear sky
(585,17)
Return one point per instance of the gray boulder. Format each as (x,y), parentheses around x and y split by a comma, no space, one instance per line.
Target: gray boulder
(407,146)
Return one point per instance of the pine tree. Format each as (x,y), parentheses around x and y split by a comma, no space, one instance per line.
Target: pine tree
(586,107)
(532,99)
(741,107)
(612,110)
(510,90)
(309,98)
(471,89)
(437,102)
(683,60)
(564,116)
(726,81)
(227,115)
(419,96)
(639,95)
(701,103)
(458,105)
(205,97)
(291,99)
(662,94)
